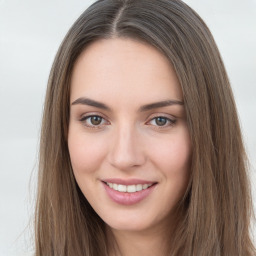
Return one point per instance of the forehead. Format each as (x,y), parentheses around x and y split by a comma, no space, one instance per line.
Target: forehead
(124,68)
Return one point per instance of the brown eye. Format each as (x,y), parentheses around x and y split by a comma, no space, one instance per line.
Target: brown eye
(161,121)
(95,120)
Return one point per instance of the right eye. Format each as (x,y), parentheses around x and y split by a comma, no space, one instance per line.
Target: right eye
(93,121)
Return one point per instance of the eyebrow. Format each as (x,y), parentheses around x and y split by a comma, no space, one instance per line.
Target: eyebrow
(97,104)
(90,102)
(160,104)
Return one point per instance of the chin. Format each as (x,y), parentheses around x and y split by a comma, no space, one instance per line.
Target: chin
(124,226)
(133,223)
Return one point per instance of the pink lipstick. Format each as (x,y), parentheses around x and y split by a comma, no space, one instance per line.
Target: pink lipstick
(128,192)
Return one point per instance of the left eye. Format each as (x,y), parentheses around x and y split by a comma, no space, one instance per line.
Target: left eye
(161,121)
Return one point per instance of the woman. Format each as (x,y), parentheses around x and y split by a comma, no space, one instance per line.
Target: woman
(141,150)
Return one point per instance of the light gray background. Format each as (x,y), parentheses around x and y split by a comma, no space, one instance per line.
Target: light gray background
(30,33)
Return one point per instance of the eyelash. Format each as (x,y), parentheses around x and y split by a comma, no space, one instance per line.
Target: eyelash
(170,121)
(85,118)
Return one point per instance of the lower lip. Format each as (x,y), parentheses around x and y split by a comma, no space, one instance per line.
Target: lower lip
(126,198)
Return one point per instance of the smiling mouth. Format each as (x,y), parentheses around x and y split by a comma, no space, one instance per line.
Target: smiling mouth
(128,192)
(128,188)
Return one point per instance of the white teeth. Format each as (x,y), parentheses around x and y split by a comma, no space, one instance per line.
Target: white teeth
(139,187)
(129,188)
(122,188)
(145,186)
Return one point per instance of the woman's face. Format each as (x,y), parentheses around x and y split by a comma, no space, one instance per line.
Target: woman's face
(128,138)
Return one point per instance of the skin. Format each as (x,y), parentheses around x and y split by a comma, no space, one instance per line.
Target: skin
(127,143)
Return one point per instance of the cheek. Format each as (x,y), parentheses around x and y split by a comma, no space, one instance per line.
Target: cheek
(173,159)
(86,154)
(174,153)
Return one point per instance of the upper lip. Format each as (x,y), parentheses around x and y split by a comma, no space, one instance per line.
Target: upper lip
(128,181)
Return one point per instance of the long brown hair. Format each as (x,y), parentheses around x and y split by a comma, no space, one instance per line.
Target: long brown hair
(217,204)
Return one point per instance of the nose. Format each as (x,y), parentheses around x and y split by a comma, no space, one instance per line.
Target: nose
(126,150)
